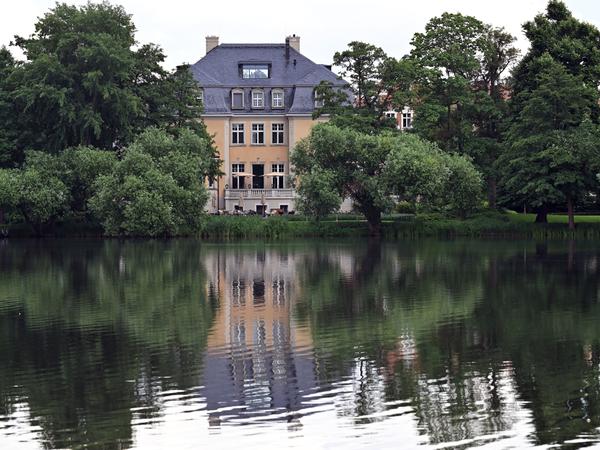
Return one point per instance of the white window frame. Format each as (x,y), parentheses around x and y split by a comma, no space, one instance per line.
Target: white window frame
(278,182)
(236,131)
(257,68)
(233,93)
(257,129)
(258,99)
(235,180)
(201,96)
(280,132)
(275,92)
(319,102)
(407,115)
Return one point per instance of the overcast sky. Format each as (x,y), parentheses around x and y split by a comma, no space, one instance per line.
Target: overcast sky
(325,26)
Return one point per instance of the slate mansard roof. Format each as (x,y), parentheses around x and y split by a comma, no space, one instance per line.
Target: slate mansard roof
(218,74)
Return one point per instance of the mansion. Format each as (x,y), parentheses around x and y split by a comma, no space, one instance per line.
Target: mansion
(259,101)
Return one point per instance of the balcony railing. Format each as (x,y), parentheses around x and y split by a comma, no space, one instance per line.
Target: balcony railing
(258,193)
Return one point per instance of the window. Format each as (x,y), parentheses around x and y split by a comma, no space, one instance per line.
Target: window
(255,71)
(277,98)
(237,99)
(237,133)
(200,96)
(277,182)
(236,181)
(277,133)
(238,288)
(319,102)
(258,133)
(258,99)
(391,114)
(407,117)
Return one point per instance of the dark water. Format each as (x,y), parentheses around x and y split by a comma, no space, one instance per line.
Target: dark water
(107,344)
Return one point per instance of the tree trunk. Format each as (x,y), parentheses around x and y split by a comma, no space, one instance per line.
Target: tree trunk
(373,216)
(375,226)
(570,213)
(542,215)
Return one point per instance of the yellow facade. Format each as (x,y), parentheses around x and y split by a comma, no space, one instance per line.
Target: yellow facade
(266,154)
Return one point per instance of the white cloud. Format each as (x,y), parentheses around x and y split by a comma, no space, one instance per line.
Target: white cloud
(324,26)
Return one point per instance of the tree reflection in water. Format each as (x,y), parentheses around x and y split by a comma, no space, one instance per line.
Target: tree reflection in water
(468,338)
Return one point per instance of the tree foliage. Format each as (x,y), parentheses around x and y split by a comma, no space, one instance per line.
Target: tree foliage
(461,104)
(552,158)
(371,169)
(8,123)
(87,82)
(157,189)
(317,194)
(39,197)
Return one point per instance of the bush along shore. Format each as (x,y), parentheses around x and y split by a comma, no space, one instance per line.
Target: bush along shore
(488,224)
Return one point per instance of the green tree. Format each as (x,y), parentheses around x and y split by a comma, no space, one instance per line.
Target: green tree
(83,82)
(416,171)
(355,162)
(462,189)
(547,115)
(157,188)
(461,103)
(448,54)
(78,168)
(371,169)
(38,197)
(374,79)
(569,41)
(361,64)
(8,125)
(184,107)
(317,195)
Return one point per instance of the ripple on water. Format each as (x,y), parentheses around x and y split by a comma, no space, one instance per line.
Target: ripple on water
(172,344)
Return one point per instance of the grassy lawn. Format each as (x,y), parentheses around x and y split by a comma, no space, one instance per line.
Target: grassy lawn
(553,218)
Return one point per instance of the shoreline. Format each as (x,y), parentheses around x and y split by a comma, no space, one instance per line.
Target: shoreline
(485,225)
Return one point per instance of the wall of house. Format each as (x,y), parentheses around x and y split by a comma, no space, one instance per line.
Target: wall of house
(296,128)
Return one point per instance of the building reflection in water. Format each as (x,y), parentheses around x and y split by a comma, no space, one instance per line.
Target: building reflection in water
(258,361)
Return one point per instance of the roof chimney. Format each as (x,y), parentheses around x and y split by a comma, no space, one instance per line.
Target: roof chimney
(294,42)
(211,42)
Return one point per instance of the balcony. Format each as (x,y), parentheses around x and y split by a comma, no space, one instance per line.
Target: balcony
(234,194)
(259,199)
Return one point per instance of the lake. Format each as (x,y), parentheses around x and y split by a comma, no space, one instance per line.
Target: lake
(181,344)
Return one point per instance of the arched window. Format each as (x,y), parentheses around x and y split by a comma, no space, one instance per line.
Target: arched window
(237,99)
(258,98)
(277,98)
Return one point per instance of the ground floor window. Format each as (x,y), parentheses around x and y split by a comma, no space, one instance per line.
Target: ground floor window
(237,182)
(277,180)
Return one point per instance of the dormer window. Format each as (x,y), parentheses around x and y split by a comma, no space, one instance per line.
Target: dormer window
(249,71)
(277,98)
(237,99)
(319,101)
(258,99)
(200,96)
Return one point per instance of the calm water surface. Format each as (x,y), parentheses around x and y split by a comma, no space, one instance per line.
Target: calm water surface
(181,344)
